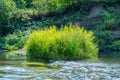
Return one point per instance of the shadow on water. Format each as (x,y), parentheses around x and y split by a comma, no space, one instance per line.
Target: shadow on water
(113,57)
(11,56)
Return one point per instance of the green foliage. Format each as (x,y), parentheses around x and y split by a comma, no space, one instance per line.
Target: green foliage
(2,45)
(68,43)
(22,15)
(107,1)
(16,40)
(104,19)
(22,4)
(6,9)
(42,6)
(104,39)
(109,20)
(36,14)
(116,45)
(49,6)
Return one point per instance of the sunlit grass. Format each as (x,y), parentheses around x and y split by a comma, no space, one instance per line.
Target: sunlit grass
(68,43)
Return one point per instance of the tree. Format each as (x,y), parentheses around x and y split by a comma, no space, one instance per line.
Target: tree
(6,9)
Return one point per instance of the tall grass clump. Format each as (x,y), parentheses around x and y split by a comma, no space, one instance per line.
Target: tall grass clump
(68,43)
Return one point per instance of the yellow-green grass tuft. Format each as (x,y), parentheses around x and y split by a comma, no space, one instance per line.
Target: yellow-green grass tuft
(68,43)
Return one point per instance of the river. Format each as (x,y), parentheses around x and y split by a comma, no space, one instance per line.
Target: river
(105,68)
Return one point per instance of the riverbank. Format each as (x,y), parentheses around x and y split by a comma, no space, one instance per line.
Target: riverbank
(100,17)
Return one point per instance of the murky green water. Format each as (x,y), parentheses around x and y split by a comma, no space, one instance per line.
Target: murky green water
(106,68)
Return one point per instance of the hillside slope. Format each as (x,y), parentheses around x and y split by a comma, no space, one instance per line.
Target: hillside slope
(101,17)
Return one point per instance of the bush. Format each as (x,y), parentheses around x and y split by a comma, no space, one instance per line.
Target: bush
(50,6)
(6,8)
(68,43)
(110,20)
(104,39)
(20,3)
(16,40)
(2,45)
(23,3)
(105,20)
(116,45)
(22,15)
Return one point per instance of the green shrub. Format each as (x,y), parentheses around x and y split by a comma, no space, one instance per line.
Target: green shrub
(22,15)
(104,39)
(109,20)
(6,9)
(116,45)
(20,3)
(105,20)
(42,6)
(2,45)
(23,3)
(68,43)
(49,6)
(16,40)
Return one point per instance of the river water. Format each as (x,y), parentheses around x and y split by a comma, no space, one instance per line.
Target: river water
(101,69)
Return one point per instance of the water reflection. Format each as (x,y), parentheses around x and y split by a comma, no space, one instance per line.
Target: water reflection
(106,68)
(113,57)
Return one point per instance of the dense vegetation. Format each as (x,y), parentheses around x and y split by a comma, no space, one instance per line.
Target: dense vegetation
(18,18)
(68,43)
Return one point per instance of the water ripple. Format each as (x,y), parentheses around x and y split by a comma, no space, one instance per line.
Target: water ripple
(67,70)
